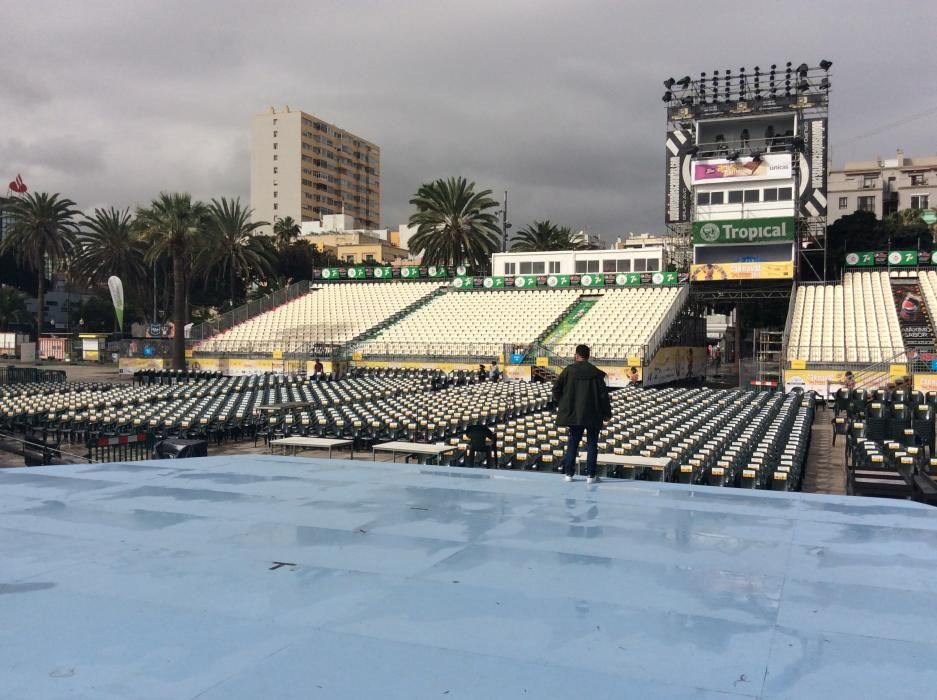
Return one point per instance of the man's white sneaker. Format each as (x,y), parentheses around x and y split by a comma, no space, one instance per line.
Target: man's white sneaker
(567,477)
(593,480)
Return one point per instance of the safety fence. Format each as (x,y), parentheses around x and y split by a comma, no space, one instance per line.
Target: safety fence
(23,375)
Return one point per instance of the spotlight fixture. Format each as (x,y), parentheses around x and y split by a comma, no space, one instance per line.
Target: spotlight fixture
(756,156)
(826,65)
(757,83)
(668,96)
(715,86)
(684,82)
(693,150)
(798,143)
(728,83)
(702,88)
(669,83)
(688,100)
(803,85)
(825,84)
(802,70)
(734,155)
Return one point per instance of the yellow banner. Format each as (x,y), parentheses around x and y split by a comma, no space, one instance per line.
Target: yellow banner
(543,362)
(798,364)
(742,271)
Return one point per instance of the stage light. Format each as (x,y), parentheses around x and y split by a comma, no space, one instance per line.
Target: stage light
(693,150)
(756,156)
(798,143)
(825,84)
(669,83)
(684,82)
(826,65)
(728,83)
(771,85)
(802,70)
(735,155)
(803,85)
(668,96)
(715,86)
(688,100)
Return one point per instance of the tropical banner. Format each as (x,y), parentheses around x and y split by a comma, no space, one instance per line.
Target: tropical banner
(747,231)
(117,296)
(893,258)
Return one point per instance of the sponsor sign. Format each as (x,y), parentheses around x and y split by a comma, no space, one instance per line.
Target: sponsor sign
(409,272)
(493,283)
(771,166)
(330,273)
(116,288)
(628,279)
(463,282)
(558,281)
(675,363)
(913,314)
(825,382)
(678,144)
(355,273)
(383,273)
(813,175)
(893,258)
(743,231)
(742,271)
(525,281)
(588,280)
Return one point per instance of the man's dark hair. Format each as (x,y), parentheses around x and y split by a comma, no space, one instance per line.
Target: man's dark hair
(583,351)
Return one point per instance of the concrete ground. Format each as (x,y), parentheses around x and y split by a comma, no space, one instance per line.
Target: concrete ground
(826,462)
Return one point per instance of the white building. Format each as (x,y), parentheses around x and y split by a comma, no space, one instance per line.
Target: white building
(570,262)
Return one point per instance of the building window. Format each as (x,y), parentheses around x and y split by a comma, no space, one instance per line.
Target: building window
(752,195)
(349,258)
(844,202)
(869,181)
(609,265)
(554,266)
(917,179)
(275,134)
(735,196)
(539,267)
(274,121)
(866,204)
(770,194)
(624,266)
(369,258)
(275,206)
(525,268)
(653,264)
(702,199)
(640,264)
(275,156)
(509,268)
(275,170)
(275,194)
(919,201)
(785,194)
(274,145)
(587,266)
(532,268)
(714,197)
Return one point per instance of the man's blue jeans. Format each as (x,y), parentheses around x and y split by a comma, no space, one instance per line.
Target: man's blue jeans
(572,449)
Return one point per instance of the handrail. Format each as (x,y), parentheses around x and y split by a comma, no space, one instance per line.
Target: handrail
(791,305)
(24,442)
(249,310)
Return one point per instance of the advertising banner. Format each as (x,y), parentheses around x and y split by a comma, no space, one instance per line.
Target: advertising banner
(770,166)
(355,273)
(813,176)
(558,281)
(671,364)
(493,283)
(592,280)
(913,314)
(383,273)
(743,231)
(463,282)
(409,272)
(894,258)
(330,273)
(628,279)
(679,143)
(742,271)
(117,296)
(525,281)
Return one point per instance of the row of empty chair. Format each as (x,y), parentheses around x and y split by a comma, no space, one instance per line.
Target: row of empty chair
(852,322)
(333,313)
(477,323)
(623,321)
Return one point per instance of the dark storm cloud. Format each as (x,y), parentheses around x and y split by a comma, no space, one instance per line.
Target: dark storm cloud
(558,102)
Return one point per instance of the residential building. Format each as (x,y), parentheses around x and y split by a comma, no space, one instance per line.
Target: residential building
(306,168)
(370,253)
(570,262)
(883,186)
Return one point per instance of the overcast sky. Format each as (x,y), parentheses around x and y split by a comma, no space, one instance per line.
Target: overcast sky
(556,101)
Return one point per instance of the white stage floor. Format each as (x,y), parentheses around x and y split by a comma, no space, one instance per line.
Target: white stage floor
(161,580)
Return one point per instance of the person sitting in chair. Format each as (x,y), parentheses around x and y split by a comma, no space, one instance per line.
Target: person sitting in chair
(481,439)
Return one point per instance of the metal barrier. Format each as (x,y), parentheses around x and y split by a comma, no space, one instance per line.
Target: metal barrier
(108,447)
(25,375)
(249,310)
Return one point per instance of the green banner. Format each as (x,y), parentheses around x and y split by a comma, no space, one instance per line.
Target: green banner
(862,258)
(902,257)
(494,283)
(383,273)
(330,273)
(355,273)
(525,281)
(743,231)
(589,280)
(558,281)
(434,271)
(463,282)
(409,272)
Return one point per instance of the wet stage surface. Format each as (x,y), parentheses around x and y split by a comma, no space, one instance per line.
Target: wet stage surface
(272,577)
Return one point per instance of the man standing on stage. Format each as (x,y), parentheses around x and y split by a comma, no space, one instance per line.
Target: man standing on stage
(582,402)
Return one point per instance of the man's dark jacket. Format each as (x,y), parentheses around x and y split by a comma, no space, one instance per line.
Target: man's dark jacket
(581,396)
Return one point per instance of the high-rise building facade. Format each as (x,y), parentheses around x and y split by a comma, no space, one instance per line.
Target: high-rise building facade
(306,168)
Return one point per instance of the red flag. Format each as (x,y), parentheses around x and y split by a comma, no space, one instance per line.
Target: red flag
(18,185)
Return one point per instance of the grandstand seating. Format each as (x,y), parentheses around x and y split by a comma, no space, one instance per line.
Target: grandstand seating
(334,313)
(478,323)
(623,321)
(852,322)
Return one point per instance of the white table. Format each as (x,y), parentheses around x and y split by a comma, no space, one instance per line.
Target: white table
(607,460)
(419,448)
(306,443)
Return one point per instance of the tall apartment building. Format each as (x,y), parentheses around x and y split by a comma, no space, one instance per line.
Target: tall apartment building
(883,186)
(306,168)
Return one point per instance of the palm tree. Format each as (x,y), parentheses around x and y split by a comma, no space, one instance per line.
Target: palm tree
(12,306)
(109,245)
(455,224)
(171,222)
(285,230)
(545,236)
(233,250)
(43,233)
